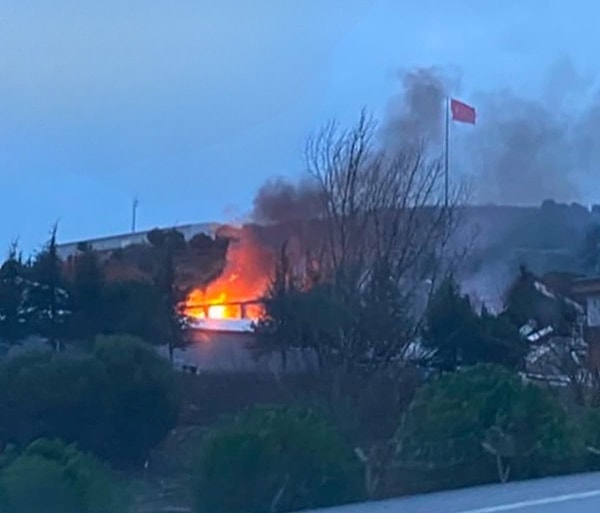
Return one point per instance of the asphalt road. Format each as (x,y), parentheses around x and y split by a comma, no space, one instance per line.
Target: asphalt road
(571,494)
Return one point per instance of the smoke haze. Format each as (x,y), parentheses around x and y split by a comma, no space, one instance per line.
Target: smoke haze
(417,111)
(522,151)
(280,200)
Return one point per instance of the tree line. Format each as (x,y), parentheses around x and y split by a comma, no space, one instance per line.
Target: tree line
(72,301)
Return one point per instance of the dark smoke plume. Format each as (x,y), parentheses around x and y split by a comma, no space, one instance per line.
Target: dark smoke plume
(417,112)
(521,152)
(280,200)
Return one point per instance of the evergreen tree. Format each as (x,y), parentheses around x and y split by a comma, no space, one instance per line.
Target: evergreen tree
(87,295)
(12,295)
(451,327)
(172,321)
(460,336)
(48,301)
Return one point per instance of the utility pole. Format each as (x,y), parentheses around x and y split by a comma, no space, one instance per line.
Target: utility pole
(134,214)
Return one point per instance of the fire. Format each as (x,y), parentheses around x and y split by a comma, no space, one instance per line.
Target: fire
(244,280)
(217,312)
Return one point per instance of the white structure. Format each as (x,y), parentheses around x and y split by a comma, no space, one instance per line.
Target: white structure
(114,242)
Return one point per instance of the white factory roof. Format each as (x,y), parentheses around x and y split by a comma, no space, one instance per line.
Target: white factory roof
(113,242)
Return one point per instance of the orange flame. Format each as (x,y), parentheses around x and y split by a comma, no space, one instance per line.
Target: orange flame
(236,293)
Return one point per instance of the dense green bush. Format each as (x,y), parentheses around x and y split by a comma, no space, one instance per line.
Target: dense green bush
(43,394)
(141,397)
(590,423)
(274,459)
(118,402)
(52,477)
(491,421)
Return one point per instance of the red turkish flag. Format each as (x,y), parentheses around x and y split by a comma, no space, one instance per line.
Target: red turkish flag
(462,112)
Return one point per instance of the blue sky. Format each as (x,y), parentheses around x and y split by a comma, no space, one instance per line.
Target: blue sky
(192,104)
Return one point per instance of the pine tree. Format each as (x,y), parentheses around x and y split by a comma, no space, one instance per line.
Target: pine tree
(172,320)
(87,295)
(47,300)
(451,326)
(12,295)
(460,336)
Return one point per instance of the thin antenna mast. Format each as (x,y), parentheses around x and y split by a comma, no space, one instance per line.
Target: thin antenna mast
(134,214)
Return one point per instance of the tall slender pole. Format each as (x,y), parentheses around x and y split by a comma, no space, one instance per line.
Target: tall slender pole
(134,214)
(446,151)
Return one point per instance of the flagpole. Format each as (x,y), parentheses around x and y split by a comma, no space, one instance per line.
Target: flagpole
(446,150)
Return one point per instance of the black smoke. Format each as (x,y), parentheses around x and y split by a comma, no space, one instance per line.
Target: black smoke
(416,112)
(522,151)
(281,201)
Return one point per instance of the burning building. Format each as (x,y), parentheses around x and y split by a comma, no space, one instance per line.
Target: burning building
(223,270)
(237,292)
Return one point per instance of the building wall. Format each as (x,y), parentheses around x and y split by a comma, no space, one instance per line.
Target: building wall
(214,351)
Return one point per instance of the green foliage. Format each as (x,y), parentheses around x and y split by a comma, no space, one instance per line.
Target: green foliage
(460,336)
(452,417)
(590,424)
(297,316)
(452,327)
(57,395)
(361,326)
(118,403)
(141,396)
(172,319)
(47,298)
(74,302)
(524,302)
(87,295)
(12,297)
(132,308)
(52,477)
(275,459)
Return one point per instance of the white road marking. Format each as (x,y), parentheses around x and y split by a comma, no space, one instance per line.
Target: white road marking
(535,502)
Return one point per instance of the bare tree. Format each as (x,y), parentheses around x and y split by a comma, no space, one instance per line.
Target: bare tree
(380,243)
(386,235)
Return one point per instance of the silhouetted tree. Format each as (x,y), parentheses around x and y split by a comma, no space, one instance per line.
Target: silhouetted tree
(528,298)
(173,322)
(459,336)
(451,327)
(133,307)
(47,299)
(12,296)
(87,295)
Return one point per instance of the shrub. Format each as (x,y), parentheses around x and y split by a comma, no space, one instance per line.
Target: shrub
(141,397)
(52,477)
(273,459)
(57,395)
(118,403)
(489,420)
(591,432)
